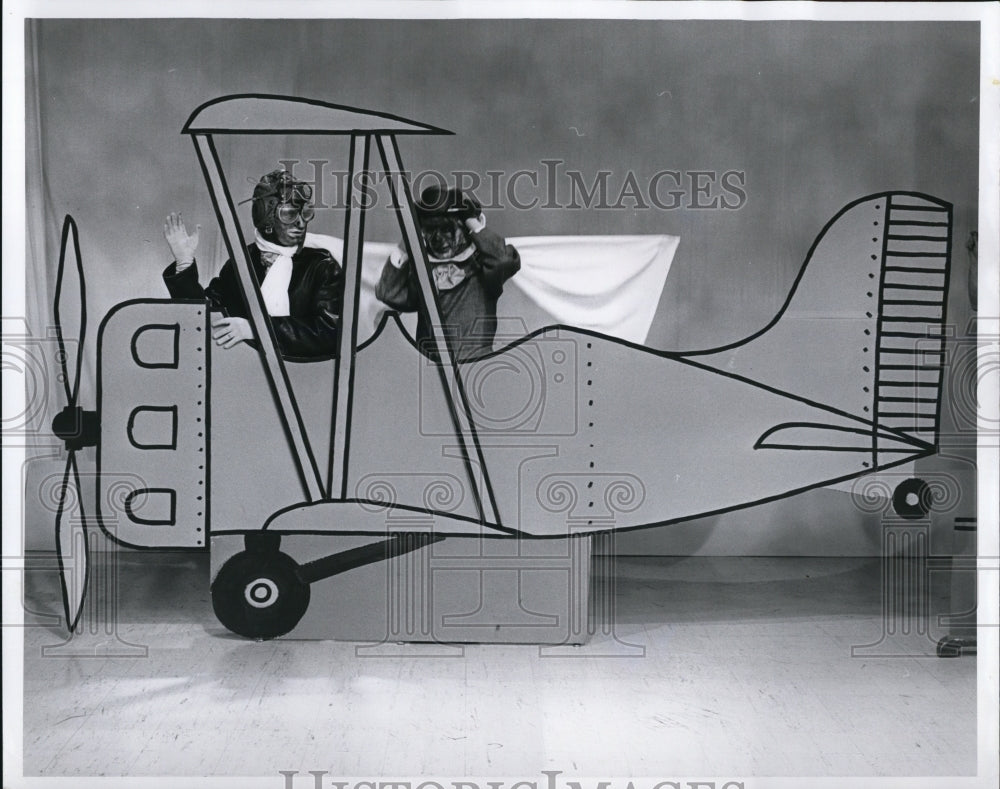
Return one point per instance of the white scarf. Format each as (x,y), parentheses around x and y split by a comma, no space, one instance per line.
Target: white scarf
(447,276)
(274,288)
(446,273)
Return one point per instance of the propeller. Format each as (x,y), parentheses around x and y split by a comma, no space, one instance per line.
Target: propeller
(76,427)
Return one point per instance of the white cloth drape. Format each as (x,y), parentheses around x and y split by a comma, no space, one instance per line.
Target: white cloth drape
(608,284)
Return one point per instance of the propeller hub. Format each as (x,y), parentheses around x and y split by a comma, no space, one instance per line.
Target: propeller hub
(76,427)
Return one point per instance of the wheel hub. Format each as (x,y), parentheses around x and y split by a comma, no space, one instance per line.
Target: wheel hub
(261,592)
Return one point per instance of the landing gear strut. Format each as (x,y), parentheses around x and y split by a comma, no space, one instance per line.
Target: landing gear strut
(262,593)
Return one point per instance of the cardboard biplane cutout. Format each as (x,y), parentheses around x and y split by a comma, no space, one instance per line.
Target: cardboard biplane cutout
(351,483)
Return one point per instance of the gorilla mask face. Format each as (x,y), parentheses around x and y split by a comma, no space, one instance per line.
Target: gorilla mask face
(445,237)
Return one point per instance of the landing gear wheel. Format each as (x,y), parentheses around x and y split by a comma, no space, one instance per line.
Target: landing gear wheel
(912,499)
(258,594)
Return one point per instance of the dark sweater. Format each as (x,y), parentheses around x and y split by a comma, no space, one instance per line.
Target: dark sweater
(468,310)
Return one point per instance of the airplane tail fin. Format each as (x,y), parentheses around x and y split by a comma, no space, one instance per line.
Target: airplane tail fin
(863,328)
(913,296)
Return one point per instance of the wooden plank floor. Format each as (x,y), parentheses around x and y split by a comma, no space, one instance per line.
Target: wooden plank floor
(714,666)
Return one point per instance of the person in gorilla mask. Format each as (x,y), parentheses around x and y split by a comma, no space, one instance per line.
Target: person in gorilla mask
(301,286)
(469,265)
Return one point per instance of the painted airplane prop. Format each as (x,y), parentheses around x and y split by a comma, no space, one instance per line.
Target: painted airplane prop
(388,451)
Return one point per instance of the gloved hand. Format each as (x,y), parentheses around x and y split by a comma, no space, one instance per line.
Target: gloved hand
(475,223)
(182,245)
(398,256)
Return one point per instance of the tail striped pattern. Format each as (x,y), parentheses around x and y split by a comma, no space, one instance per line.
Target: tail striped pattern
(911,331)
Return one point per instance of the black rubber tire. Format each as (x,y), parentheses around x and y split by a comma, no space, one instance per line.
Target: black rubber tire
(258,594)
(919,508)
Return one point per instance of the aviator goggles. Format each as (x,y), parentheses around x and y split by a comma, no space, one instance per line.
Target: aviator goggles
(294,203)
(287,213)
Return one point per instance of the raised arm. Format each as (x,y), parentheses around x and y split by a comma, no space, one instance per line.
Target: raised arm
(181,276)
(397,285)
(500,261)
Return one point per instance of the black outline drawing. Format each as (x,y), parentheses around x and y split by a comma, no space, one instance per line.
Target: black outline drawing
(171,409)
(64,534)
(464,427)
(133,346)
(281,387)
(382,129)
(343,403)
(206,372)
(764,443)
(367,127)
(135,518)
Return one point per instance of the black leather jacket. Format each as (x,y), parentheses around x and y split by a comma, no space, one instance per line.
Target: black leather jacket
(314,299)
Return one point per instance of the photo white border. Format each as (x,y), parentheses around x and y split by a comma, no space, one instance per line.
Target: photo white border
(988,14)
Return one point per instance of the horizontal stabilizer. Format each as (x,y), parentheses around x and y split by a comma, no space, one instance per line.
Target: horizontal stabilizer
(805,435)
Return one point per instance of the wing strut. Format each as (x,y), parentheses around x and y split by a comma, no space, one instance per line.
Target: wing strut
(402,201)
(344,393)
(274,365)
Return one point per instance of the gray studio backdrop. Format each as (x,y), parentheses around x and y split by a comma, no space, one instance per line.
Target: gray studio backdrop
(808,115)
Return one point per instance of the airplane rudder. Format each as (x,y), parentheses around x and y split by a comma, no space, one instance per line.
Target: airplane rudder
(912,313)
